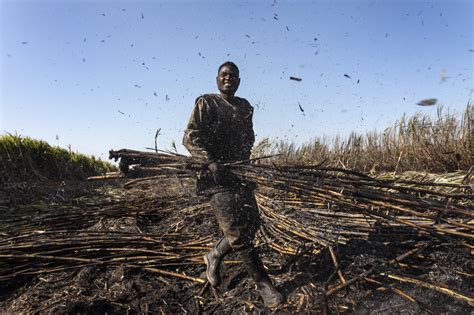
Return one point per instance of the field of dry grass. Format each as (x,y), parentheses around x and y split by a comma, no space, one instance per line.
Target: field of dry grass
(417,143)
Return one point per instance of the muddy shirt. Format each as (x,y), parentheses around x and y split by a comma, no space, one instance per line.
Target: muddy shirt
(220,131)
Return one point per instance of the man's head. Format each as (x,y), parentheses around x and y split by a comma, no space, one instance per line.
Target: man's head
(228,78)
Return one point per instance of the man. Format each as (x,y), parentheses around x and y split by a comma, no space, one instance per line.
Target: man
(219,131)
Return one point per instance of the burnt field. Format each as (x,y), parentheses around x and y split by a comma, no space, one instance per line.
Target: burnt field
(135,246)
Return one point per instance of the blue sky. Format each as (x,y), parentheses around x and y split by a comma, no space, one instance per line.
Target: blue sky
(100,75)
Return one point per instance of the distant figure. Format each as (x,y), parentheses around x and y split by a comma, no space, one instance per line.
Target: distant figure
(220,130)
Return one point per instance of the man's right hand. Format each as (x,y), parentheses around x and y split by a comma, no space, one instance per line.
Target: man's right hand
(221,175)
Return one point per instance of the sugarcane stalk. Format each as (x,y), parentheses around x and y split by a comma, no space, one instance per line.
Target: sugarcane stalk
(444,290)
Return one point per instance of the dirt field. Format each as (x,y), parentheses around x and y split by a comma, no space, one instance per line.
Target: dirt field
(166,215)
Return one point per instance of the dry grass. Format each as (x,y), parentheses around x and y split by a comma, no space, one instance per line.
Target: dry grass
(417,143)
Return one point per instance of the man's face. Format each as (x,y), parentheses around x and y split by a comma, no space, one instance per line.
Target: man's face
(228,80)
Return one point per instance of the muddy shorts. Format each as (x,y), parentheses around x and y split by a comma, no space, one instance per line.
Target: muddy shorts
(237,214)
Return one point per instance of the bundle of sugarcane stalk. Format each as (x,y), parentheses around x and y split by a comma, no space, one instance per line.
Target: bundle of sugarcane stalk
(353,201)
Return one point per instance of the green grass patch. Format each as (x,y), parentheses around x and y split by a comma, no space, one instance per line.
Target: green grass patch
(24,158)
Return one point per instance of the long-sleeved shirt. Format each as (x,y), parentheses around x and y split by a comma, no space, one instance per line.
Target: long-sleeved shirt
(220,131)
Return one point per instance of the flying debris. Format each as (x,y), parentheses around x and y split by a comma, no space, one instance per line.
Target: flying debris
(428,102)
(121,112)
(143,16)
(358,80)
(247,35)
(167,98)
(24,43)
(295,79)
(103,14)
(173,145)
(156,138)
(347,76)
(301,108)
(154,93)
(287,28)
(83,59)
(138,86)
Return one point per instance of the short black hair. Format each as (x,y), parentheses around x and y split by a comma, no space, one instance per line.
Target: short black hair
(230,64)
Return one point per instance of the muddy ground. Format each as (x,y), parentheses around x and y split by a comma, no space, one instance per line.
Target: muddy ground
(115,289)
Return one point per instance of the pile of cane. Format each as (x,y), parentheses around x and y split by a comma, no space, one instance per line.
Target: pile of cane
(352,199)
(306,211)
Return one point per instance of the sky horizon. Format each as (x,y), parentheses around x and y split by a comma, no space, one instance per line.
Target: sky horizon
(106,75)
